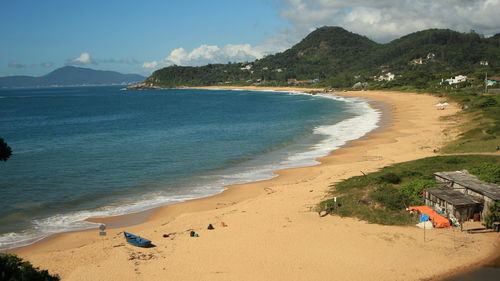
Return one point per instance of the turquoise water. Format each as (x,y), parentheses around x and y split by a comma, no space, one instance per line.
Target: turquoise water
(94,151)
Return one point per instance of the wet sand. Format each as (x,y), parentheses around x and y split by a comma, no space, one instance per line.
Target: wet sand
(272,232)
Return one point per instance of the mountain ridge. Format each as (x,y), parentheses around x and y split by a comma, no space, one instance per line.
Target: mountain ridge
(329,52)
(70,76)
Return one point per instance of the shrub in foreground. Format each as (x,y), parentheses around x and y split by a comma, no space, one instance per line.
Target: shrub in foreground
(494,215)
(13,268)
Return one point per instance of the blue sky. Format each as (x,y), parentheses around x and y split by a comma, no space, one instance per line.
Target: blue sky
(38,36)
(55,31)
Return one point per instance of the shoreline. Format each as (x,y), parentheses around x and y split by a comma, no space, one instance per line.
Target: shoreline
(304,186)
(137,217)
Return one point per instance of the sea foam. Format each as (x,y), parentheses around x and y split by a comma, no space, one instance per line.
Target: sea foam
(334,136)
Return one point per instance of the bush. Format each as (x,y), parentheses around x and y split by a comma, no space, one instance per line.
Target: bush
(494,215)
(487,172)
(13,268)
(5,150)
(349,206)
(412,191)
(486,102)
(389,178)
(389,197)
(494,130)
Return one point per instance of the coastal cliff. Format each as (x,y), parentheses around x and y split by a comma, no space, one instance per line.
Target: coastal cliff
(143,86)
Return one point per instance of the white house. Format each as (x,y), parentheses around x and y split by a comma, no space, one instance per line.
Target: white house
(456,80)
(386,77)
(247,67)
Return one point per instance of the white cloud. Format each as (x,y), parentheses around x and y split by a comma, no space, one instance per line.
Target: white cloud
(381,20)
(384,20)
(83,59)
(176,56)
(14,64)
(151,64)
(206,54)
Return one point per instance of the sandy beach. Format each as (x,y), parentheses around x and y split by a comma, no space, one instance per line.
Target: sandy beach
(271,232)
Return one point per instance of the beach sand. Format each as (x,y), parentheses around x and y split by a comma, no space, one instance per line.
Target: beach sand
(272,232)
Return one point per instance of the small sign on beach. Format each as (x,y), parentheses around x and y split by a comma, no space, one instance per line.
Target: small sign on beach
(102,227)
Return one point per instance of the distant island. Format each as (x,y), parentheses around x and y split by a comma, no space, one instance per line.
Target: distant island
(71,76)
(334,57)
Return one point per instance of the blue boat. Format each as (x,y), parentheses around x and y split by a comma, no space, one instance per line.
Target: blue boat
(137,240)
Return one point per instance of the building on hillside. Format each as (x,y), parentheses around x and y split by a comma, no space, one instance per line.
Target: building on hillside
(484,62)
(456,79)
(492,81)
(386,77)
(471,187)
(295,81)
(246,67)
(431,56)
(417,61)
(384,68)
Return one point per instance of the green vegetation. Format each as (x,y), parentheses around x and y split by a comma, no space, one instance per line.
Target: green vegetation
(5,150)
(487,172)
(339,58)
(494,215)
(13,268)
(481,132)
(381,197)
(412,191)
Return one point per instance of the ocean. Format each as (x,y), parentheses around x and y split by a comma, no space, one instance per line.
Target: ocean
(81,152)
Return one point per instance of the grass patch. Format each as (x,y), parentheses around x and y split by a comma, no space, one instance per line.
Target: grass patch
(382,196)
(480,118)
(482,130)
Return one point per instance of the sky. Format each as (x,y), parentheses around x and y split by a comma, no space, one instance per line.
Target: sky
(39,36)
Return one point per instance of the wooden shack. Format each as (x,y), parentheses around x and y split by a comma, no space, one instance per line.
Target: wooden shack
(461,181)
(453,203)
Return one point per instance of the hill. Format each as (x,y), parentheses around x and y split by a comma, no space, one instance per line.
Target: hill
(335,56)
(71,76)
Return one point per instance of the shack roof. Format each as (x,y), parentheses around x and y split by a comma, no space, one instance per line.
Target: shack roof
(453,197)
(463,178)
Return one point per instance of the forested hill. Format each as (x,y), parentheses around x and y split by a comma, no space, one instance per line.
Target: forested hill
(70,76)
(332,53)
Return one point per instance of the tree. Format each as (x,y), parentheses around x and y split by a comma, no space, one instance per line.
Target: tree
(5,150)
(494,214)
(13,268)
